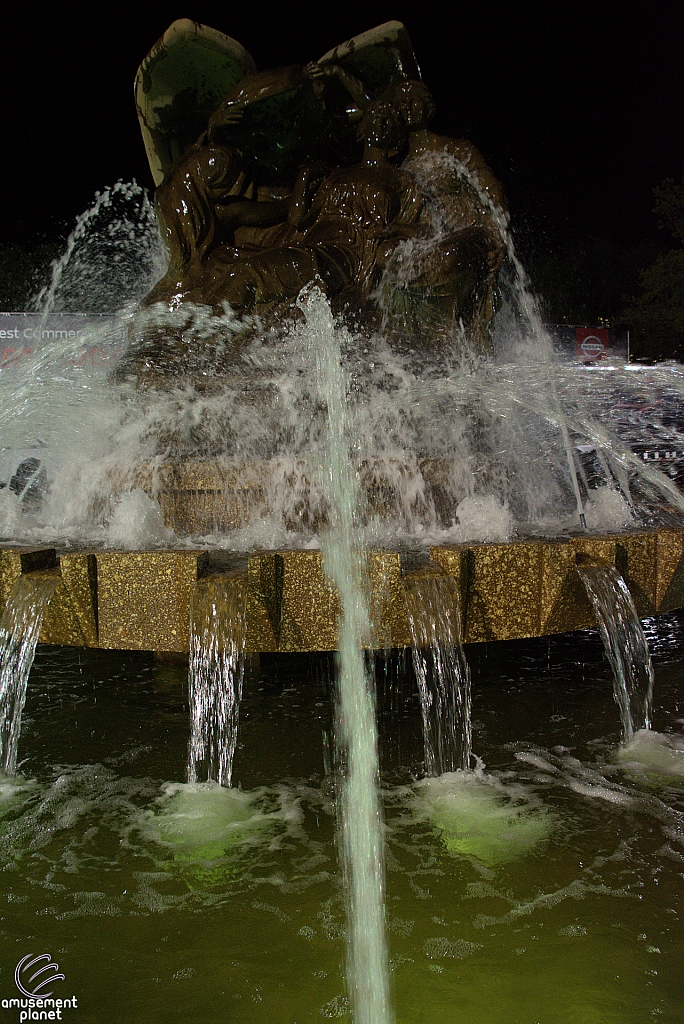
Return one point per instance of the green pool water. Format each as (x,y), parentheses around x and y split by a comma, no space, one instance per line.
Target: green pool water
(542,889)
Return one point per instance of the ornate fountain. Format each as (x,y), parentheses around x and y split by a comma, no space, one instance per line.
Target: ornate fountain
(313,443)
(267,182)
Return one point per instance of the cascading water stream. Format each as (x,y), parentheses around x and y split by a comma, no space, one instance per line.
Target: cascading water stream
(19,631)
(216,674)
(360,812)
(528,304)
(625,645)
(441,670)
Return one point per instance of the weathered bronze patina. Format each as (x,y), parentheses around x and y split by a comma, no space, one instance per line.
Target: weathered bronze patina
(327,172)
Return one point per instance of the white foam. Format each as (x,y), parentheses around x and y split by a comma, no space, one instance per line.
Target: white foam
(484,518)
(537,760)
(482,817)
(15,790)
(598,792)
(655,755)
(204,821)
(606,509)
(136,523)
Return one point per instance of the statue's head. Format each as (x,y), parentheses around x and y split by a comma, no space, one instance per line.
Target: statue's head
(414,103)
(381,127)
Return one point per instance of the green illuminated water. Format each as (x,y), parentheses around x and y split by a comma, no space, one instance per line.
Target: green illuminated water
(545,889)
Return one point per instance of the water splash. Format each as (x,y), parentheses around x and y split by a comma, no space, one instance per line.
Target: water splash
(357,742)
(654,758)
(481,817)
(438,434)
(136,523)
(112,256)
(15,792)
(19,631)
(217,666)
(212,834)
(441,669)
(625,645)
(425,168)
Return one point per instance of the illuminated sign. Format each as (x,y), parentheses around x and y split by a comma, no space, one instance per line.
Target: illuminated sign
(76,339)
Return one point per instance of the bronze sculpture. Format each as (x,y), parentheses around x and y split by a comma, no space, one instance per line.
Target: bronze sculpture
(327,172)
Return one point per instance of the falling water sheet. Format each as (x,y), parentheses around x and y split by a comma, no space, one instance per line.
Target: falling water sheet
(625,645)
(19,631)
(441,671)
(216,675)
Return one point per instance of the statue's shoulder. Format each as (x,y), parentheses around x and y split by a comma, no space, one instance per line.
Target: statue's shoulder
(470,156)
(205,162)
(465,152)
(462,149)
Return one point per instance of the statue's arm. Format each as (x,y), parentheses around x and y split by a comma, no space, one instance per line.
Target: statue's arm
(227,115)
(319,72)
(251,213)
(304,203)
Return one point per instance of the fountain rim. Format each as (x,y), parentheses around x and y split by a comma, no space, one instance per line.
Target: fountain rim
(140,600)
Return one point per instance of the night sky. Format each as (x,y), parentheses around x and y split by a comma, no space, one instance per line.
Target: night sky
(579,108)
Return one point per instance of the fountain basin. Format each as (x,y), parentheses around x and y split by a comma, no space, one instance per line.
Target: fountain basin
(140,600)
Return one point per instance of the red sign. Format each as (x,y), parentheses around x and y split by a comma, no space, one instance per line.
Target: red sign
(592,342)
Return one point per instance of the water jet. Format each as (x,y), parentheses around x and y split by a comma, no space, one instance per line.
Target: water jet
(338,427)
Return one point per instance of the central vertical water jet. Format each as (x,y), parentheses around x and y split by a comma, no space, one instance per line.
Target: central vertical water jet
(360,813)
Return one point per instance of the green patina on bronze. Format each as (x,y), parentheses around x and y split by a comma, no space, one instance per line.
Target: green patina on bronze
(179,85)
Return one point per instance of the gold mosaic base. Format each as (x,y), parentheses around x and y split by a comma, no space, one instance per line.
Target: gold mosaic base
(141,600)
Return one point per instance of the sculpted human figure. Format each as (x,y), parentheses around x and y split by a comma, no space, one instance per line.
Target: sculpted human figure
(350,221)
(209,197)
(415,104)
(255,244)
(359,214)
(203,200)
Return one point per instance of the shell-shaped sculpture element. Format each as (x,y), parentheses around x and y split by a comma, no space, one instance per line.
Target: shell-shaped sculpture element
(180,83)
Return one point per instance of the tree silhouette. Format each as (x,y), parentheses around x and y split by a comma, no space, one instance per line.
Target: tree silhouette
(657,314)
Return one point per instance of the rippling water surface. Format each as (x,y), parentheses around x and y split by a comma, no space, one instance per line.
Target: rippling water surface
(543,887)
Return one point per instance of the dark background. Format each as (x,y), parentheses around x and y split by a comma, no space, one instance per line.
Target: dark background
(578,108)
